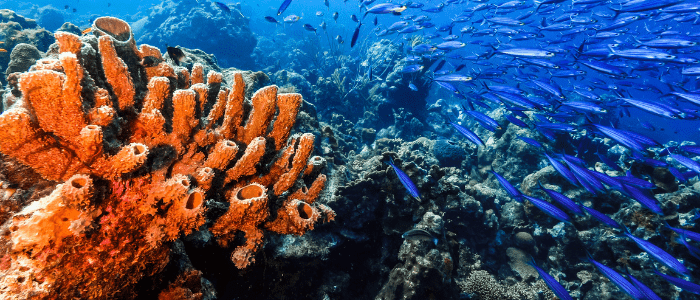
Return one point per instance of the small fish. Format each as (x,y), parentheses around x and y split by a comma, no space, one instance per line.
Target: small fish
(150,61)
(419,235)
(684,285)
(86,31)
(405,180)
(658,253)
(354,18)
(512,191)
(66,7)
(451,45)
(291,18)
(601,217)
(562,169)
(325,2)
(284,6)
(271,20)
(385,8)
(339,39)
(223,7)
(322,25)
(530,141)
(2,50)
(548,209)
(176,55)
(618,280)
(309,27)
(470,135)
(412,87)
(562,199)
(687,233)
(335,16)
(355,35)
(648,293)
(75,9)
(553,284)
(319,13)
(375,21)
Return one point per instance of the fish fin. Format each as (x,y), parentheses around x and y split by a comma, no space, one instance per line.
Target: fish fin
(612,51)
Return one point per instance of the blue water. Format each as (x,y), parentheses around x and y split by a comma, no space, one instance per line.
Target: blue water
(665,129)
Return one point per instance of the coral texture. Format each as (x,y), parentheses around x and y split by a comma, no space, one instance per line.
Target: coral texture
(135,152)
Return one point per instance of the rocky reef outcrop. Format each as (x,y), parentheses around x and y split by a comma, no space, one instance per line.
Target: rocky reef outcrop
(203,26)
(32,40)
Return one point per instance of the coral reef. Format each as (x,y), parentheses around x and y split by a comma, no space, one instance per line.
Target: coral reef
(184,23)
(119,159)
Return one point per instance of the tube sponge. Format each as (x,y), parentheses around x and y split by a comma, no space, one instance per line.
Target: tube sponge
(224,152)
(49,220)
(294,217)
(117,73)
(128,159)
(247,209)
(288,105)
(94,133)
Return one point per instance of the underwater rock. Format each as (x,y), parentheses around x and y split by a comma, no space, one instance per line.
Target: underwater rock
(425,268)
(518,259)
(17,30)
(183,23)
(448,155)
(50,18)
(70,27)
(482,285)
(22,57)
(292,82)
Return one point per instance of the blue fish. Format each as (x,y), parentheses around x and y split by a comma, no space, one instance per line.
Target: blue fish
(562,199)
(601,217)
(283,7)
(687,233)
(548,209)
(684,285)
(512,191)
(530,141)
(223,7)
(563,170)
(617,279)
(553,284)
(658,253)
(517,122)
(646,291)
(471,136)
(405,180)
(694,251)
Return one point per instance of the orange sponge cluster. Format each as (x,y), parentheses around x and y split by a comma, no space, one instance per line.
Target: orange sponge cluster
(136,151)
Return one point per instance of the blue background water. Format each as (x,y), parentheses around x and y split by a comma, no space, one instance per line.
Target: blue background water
(666,129)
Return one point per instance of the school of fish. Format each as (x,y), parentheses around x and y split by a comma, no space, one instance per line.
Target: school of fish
(567,70)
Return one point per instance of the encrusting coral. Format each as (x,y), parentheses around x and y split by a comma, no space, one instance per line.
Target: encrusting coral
(138,150)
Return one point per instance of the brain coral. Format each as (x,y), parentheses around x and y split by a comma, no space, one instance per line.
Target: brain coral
(131,152)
